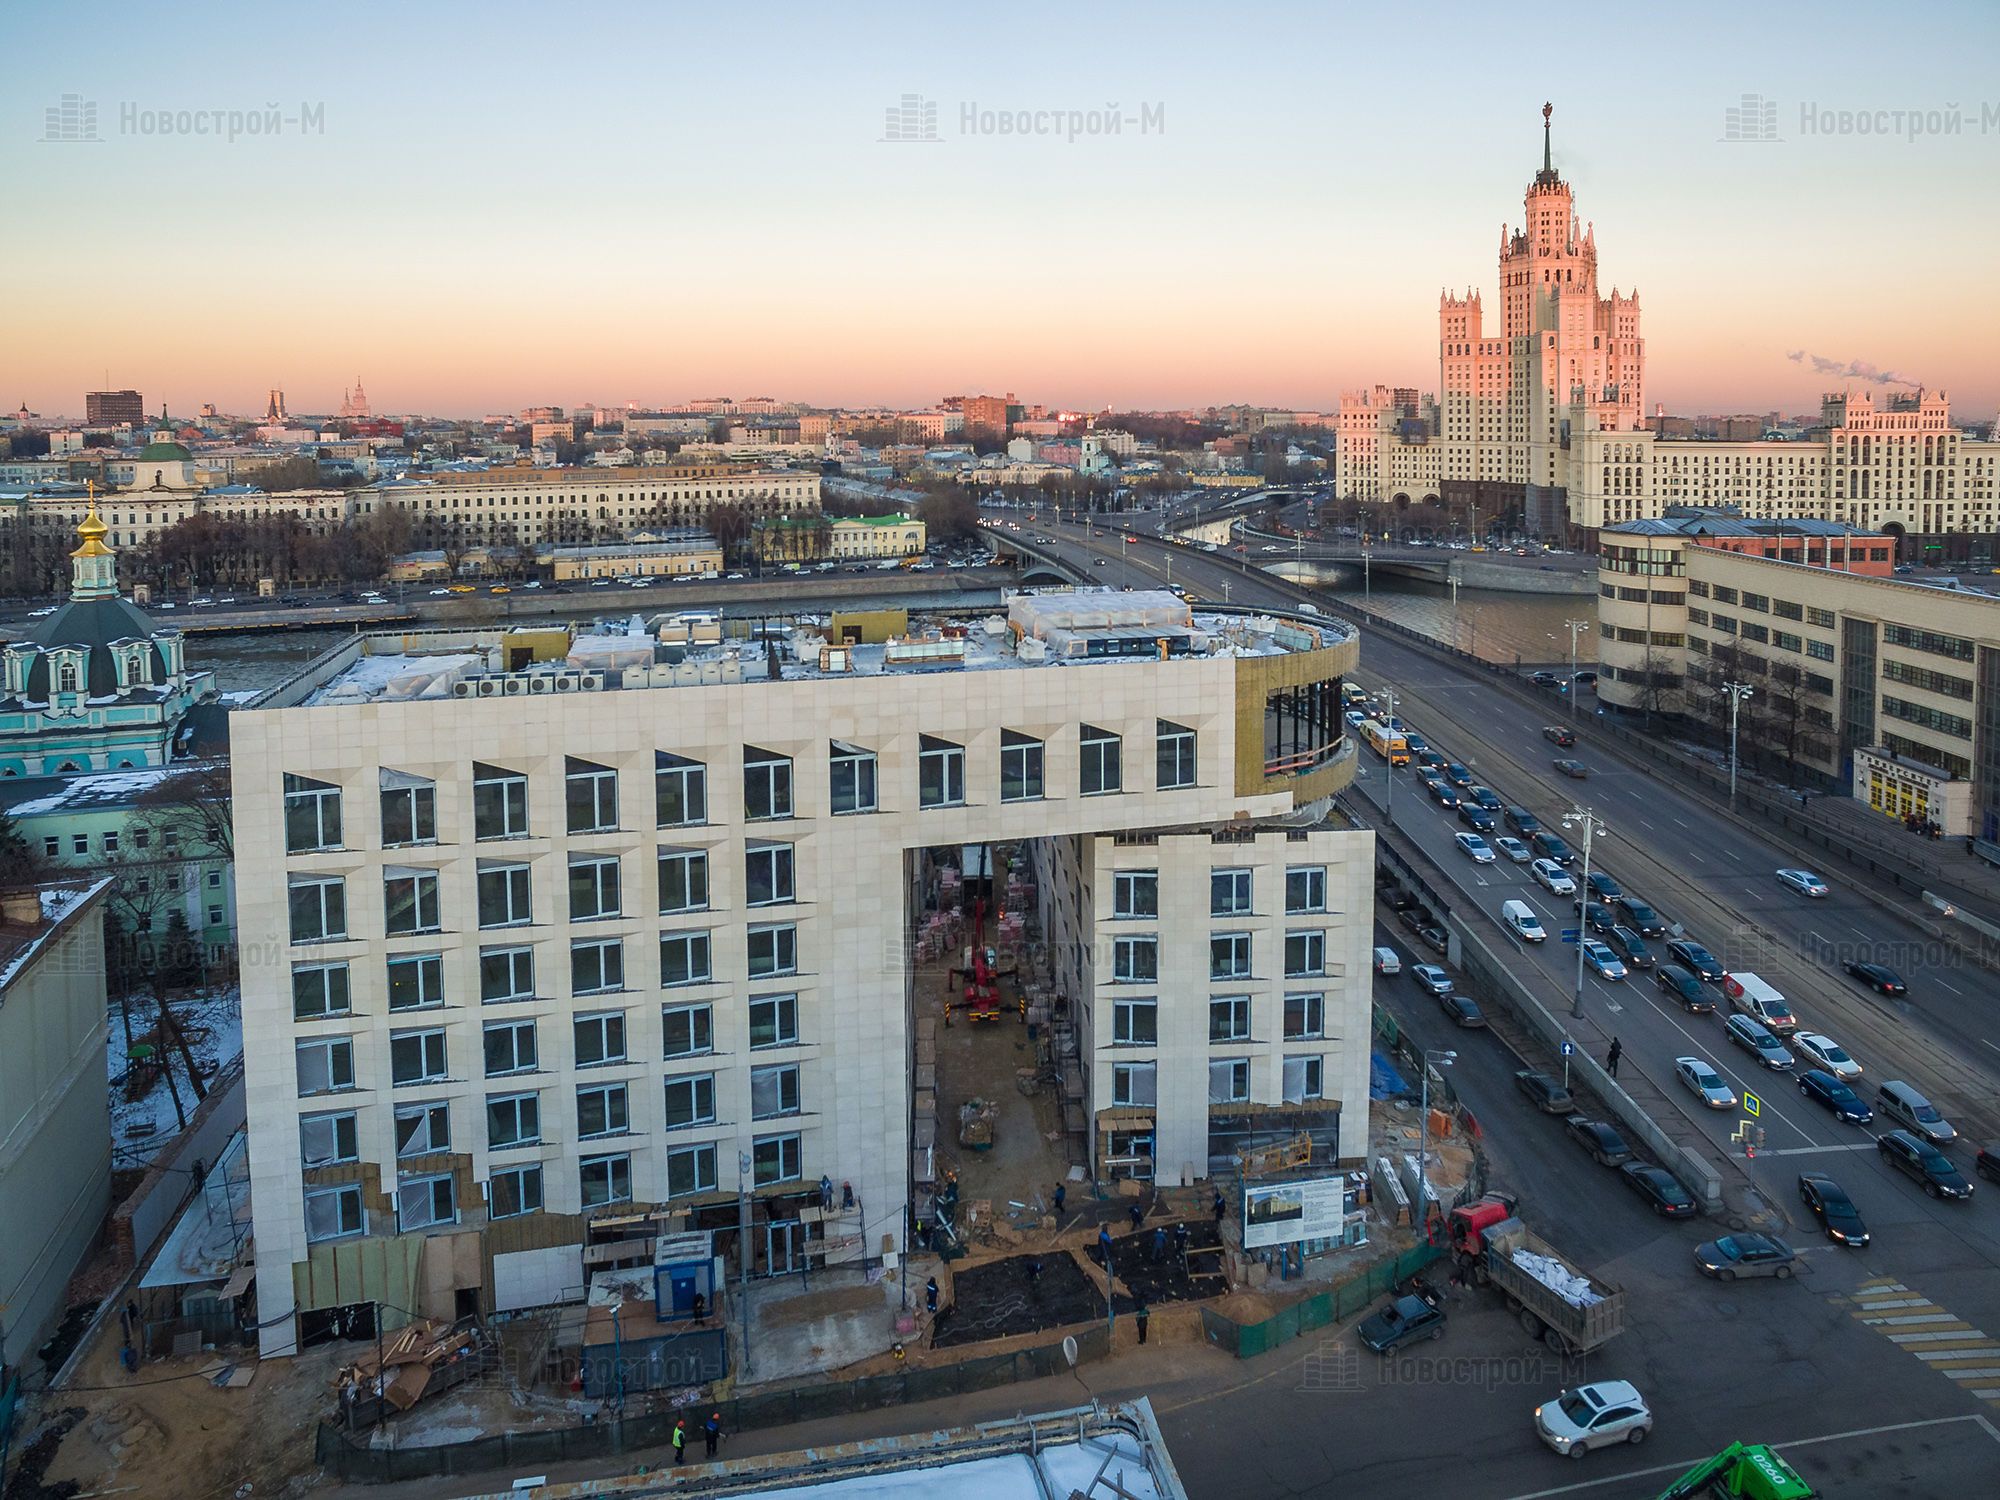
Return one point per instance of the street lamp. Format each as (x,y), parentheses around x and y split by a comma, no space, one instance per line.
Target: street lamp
(1591,826)
(1389,765)
(1444,1057)
(1737,691)
(1575,627)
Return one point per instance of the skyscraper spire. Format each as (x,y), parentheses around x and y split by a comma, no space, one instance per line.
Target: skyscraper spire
(1548,168)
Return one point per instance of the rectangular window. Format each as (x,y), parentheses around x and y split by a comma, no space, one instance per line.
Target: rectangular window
(774,950)
(684,958)
(416,1057)
(1229,955)
(774,1091)
(510,1047)
(774,1021)
(1953,647)
(335,1212)
(1305,1017)
(1135,960)
(1228,1080)
(690,1100)
(1305,953)
(1229,1018)
(1724,595)
(423,1128)
(504,896)
(312,815)
(1305,888)
(593,887)
(319,990)
(325,1064)
(111,842)
(79,843)
(680,791)
(1758,603)
(328,1140)
(767,784)
(1101,764)
(1174,748)
(690,1169)
(590,796)
(1755,632)
(850,779)
(506,974)
(318,908)
(596,967)
(940,772)
(409,901)
(600,1038)
(513,1120)
(499,803)
(1135,1022)
(1229,893)
(689,1030)
(1135,1083)
(1786,610)
(416,981)
(424,1202)
(601,1110)
(1135,893)
(1823,618)
(775,1159)
(683,880)
(767,874)
(409,809)
(605,1179)
(1021,759)
(1304,1079)
(514,1191)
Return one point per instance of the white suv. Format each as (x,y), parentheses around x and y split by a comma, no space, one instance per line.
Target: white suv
(1594,1416)
(1557,880)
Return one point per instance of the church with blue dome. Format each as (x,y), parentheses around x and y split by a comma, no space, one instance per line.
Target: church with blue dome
(97,686)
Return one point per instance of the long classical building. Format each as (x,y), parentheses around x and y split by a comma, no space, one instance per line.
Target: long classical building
(533,973)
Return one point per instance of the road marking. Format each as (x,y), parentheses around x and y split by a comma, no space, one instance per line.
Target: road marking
(1961,1353)
(1815,1150)
(1947,984)
(1984,1043)
(1696,857)
(1857,932)
(1904,1319)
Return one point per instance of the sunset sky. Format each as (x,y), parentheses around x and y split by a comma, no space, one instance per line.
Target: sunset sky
(512,204)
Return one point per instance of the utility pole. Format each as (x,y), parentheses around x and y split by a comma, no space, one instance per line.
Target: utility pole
(1445,1056)
(1592,825)
(1738,691)
(1389,765)
(1575,628)
(743,1245)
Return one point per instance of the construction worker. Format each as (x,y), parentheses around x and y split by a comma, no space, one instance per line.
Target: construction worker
(680,1441)
(711,1431)
(1221,1206)
(1034,1270)
(1181,1238)
(931,1296)
(1159,1243)
(1139,1315)
(1138,1217)
(1061,1194)
(1104,1242)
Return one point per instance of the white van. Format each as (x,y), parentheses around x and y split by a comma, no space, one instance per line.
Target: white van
(1760,1001)
(1519,918)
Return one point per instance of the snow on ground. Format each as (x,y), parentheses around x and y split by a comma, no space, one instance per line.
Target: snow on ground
(214,1026)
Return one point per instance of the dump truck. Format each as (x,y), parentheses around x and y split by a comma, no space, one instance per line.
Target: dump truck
(1568,1310)
(1744,1470)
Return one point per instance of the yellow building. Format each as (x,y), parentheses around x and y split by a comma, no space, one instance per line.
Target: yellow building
(688,557)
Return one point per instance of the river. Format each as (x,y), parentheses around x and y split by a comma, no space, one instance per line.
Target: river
(1485,622)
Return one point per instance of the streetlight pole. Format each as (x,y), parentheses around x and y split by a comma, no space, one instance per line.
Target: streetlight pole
(1444,1056)
(1389,764)
(1591,825)
(743,1245)
(1737,691)
(1575,626)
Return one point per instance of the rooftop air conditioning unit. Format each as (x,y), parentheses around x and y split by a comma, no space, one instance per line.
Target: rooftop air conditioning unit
(514,687)
(593,682)
(464,689)
(566,682)
(541,682)
(489,687)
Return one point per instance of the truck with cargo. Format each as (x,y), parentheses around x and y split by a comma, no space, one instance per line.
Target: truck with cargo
(1570,1311)
(1759,1001)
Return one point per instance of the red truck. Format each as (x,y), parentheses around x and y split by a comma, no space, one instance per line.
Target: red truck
(1568,1310)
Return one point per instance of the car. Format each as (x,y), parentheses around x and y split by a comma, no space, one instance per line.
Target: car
(1355,718)
(1706,1084)
(1737,1257)
(1523,822)
(1803,881)
(1601,959)
(1426,758)
(1474,848)
(1880,978)
(1388,962)
(1485,796)
(1828,1202)
(1603,887)
(1555,734)
(1685,988)
(1575,769)
(1403,1321)
(1918,1158)
(1660,1188)
(1553,877)
(1824,1053)
(1431,979)
(500,588)
(1545,679)
(1462,1009)
(1443,795)
(1759,1041)
(1691,956)
(1514,849)
(1475,817)
(1552,846)
(1433,937)
(1457,775)
(1596,916)
(1400,898)
(1416,744)
(1823,1089)
(1605,1145)
(1638,914)
(1545,1092)
(733,575)
(1987,1164)
(1585,679)
(440,593)
(1594,1416)
(1630,947)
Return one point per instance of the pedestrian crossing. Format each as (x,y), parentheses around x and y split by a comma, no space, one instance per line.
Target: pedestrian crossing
(1942,1340)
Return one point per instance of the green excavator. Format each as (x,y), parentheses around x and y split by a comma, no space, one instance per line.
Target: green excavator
(1744,1470)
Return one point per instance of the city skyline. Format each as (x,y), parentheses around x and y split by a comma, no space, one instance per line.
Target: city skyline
(1265,224)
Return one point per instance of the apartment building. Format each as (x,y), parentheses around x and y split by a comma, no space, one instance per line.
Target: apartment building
(521,972)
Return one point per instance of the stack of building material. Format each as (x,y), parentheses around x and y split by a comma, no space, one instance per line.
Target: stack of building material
(976,1119)
(420,1358)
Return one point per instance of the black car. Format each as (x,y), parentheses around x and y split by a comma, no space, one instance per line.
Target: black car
(1830,1094)
(1606,1145)
(1915,1157)
(1415,915)
(1426,758)
(1475,817)
(1596,916)
(1485,796)
(1545,1093)
(1523,822)
(1545,679)
(1416,744)
(1399,897)
(1441,794)
(1555,734)
(1403,1320)
(1685,988)
(1574,769)
(1880,978)
(1457,775)
(1551,846)
(1603,887)
(1629,946)
(1835,1211)
(1649,922)
(1660,1189)
(1462,1009)
(1987,1164)
(1692,956)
